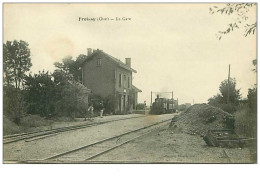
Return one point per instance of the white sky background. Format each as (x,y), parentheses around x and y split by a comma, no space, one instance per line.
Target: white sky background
(173,46)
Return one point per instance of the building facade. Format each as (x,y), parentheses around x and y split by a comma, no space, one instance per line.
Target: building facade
(107,76)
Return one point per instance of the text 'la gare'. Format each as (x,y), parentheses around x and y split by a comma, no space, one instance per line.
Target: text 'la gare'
(105,19)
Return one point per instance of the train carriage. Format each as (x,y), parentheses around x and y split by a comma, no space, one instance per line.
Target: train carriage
(163,106)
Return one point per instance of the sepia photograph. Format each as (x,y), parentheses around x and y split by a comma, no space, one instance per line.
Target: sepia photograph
(129,83)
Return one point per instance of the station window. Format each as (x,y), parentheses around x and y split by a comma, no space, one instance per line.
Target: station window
(124,81)
(128,82)
(120,79)
(99,62)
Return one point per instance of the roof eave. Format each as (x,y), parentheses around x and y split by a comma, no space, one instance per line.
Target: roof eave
(127,68)
(121,64)
(136,89)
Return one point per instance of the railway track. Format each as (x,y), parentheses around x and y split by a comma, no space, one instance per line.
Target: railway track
(86,153)
(226,156)
(31,136)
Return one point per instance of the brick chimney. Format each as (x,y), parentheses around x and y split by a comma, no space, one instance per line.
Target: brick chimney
(89,51)
(128,62)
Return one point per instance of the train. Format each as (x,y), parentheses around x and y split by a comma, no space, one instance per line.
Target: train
(164,106)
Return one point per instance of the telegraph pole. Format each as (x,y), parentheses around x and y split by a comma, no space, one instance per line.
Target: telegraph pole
(228,84)
(151,98)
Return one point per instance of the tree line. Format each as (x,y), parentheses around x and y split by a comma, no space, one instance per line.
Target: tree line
(46,94)
(232,102)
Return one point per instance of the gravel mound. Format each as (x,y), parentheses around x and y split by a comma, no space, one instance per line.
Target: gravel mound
(200,118)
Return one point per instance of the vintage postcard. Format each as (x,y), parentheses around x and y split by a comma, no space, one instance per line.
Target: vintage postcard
(129,83)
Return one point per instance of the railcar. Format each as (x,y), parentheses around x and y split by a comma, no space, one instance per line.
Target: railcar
(163,106)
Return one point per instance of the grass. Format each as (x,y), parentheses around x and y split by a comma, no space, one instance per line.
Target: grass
(246,122)
(246,126)
(31,123)
(9,127)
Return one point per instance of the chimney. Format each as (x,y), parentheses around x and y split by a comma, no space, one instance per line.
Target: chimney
(89,51)
(128,62)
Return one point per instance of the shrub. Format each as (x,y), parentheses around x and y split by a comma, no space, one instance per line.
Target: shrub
(230,108)
(9,127)
(107,103)
(252,99)
(14,105)
(246,121)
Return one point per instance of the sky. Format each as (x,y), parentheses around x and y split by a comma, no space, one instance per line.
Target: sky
(173,47)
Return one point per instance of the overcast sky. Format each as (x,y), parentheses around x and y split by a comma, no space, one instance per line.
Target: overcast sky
(173,46)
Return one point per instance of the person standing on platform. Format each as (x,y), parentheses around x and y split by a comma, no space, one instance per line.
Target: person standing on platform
(101,109)
(90,111)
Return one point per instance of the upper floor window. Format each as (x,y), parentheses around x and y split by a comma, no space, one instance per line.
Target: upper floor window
(99,62)
(124,81)
(128,82)
(120,79)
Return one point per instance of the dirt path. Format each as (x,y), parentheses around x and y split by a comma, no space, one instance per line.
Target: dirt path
(166,145)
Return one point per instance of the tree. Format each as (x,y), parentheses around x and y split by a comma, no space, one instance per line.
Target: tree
(220,100)
(234,94)
(17,62)
(71,97)
(67,77)
(81,58)
(40,94)
(252,92)
(54,95)
(216,100)
(241,13)
(252,99)
(70,67)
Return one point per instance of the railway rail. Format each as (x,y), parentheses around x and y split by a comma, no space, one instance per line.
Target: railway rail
(86,153)
(31,136)
(226,156)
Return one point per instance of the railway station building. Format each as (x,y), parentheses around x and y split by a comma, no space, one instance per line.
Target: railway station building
(109,77)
